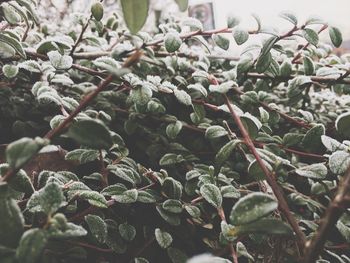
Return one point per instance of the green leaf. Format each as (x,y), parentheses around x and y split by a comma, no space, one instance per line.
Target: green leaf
(127,232)
(215,131)
(173,129)
(114,240)
(171,159)
(183,97)
(240,36)
(309,67)
(221,41)
(228,191)
(172,188)
(18,153)
(265,226)
(251,208)
(82,155)
(173,206)
(141,95)
(135,13)
(242,251)
(286,68)
(183,4)
(251,124)
(312,139)
(111,65)
(146,197)
(171,218)
(115,189)
(342,124)
(94,198)
(339,162)
(232,21)
(60,62)
(10,71)
(97,11)
(30,9)
(91,133)
(31,66)
(129,196)
(31,245)
(20,181)
(163,238)
(15,44)
(255,171)
(311,36)
(223,87)
(193,23)
(343,230)
(245,63)
(336,36)
(48,199)
(11,219)
(212,194)
(314,171)
(10,14)
(193,211)
(289,17)
(225,152)
(98,227)
(172,41)
(331,144)
(263,62)
(60,228)
(268,44)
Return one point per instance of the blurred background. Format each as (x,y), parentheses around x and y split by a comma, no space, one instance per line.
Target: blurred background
(213,13)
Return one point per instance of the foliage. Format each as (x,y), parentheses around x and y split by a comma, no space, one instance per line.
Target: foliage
(171,147)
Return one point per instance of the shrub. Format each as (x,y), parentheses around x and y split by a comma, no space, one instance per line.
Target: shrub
(126,146)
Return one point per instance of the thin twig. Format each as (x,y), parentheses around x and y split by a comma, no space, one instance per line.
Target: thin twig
(86,245)
(283,205)
(80,38)
(314,247)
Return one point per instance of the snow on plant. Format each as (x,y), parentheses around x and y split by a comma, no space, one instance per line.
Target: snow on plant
(171,146)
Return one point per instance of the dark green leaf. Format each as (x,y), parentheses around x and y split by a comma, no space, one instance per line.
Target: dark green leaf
(336,36)
(212,194)
(163,238)
(251,208)
(31,245)
(311,36)
(91,133)
(135,13)
(98,227)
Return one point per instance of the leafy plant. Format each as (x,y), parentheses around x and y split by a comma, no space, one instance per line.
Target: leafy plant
(121,145)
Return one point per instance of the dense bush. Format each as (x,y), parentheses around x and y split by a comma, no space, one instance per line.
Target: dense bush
(130,147)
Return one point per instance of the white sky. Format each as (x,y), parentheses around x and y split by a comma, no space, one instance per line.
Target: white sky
(335,12)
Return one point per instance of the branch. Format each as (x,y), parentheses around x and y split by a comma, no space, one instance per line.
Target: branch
(86,245)
(314,247)
(283,206)
(297,56)
(80,38)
